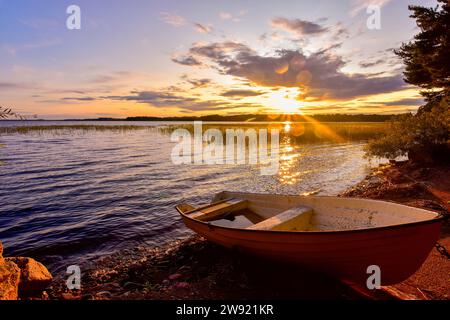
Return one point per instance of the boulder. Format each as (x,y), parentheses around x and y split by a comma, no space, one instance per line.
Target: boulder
(9,281)
(34,276)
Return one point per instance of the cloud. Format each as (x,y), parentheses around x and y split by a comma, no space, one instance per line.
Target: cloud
(298,27)
(116,76)
(14,49)
(202,28)
(178,21)
(405,102)
(241,93)
(372,63)
(233,17)
(225,15)
(219,50)
(16,86)
(319,74)
(173,19)
(9,85)
(168,99)
(79,99)
(187,61)
(197,83)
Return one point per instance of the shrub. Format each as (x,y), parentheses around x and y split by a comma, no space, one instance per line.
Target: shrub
(424,132)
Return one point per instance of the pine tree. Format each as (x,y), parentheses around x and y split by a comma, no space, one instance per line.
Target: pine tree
(427,57)
(424,137)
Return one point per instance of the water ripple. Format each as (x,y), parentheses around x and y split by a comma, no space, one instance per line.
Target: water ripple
(69,197)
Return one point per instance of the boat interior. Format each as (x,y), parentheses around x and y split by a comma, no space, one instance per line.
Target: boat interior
(298,213)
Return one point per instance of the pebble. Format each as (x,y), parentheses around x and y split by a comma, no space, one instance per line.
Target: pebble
(131,285)
(182,285)
(175,276)
(104,295)
(69,296)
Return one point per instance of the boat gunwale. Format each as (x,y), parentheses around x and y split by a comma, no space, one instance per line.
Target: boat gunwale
(438,218)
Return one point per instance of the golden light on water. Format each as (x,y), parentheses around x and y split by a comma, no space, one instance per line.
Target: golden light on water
(288,159)
(289,172)
(287,127)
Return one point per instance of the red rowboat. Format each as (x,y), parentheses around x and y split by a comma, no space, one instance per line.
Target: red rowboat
(338,236)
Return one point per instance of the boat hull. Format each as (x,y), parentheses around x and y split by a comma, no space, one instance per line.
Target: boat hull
(399,251)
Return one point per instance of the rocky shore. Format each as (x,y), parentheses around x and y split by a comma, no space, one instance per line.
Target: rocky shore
(22,278)
(196,269)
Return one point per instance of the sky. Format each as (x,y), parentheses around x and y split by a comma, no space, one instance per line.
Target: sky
(199,57)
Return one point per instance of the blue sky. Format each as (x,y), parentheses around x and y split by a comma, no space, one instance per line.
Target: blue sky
(200,57)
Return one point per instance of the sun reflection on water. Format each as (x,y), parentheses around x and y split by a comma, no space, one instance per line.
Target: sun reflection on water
(289,156)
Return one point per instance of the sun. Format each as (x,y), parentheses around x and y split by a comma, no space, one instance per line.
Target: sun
(285,100)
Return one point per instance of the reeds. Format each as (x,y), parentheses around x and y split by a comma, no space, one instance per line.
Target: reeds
(70,128)
(299,132)
(306,132)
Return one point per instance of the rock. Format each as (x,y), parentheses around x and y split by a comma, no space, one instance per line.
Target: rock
(175,276)
(69,296)
(104,295)
(182,285)
(34,276)
(9,281)
(131,285)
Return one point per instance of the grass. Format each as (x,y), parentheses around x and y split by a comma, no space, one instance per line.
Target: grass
(304,132)
(299,132)
(70,129)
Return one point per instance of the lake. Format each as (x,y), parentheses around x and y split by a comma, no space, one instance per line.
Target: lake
(73,191)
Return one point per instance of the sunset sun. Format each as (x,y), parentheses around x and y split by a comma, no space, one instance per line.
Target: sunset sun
(284,100)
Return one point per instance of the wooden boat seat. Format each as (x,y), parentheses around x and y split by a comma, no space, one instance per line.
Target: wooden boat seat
(217,210)
(294,219)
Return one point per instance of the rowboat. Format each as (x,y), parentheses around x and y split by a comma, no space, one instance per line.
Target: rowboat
(342,237)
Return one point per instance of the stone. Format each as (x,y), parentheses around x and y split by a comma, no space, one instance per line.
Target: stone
(175,276)
(104,295)
(182,285)
(34,277)
(131,285)
(9,281)
(69,296)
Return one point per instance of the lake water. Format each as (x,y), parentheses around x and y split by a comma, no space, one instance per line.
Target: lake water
(68,196)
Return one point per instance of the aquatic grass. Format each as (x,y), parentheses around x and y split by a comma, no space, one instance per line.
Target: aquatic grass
(306,132)
(62,129)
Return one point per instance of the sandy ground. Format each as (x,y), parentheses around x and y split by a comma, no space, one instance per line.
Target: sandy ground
(197,269)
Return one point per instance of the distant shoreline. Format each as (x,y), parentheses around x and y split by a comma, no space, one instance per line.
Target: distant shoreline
(245,118)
